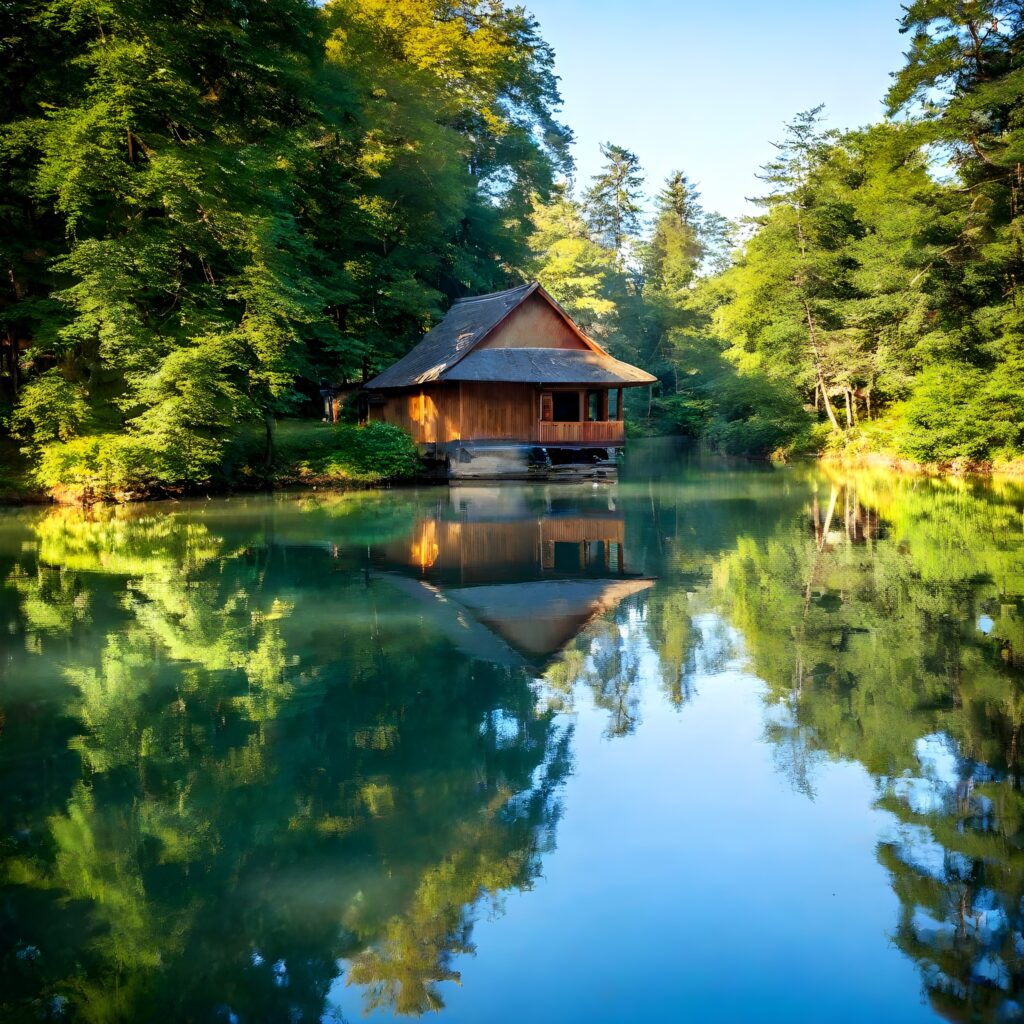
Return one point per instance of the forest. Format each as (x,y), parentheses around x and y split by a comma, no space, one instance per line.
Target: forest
(211,211)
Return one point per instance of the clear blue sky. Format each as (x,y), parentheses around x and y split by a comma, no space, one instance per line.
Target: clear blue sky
(704,87)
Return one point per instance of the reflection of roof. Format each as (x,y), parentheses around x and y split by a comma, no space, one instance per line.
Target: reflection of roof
(517,623)
(470,320)
(540,619)
(452,621)
(546,366)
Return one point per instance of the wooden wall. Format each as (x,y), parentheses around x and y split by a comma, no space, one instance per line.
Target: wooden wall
(429,414)
(437,413)
(477,550)
(533,325)
(506,412)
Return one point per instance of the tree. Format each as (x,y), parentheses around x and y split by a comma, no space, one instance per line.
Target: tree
(676,249)
(613,201)
(579,273)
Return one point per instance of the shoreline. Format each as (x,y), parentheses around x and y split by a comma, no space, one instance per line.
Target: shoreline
(41,499)
(958,468)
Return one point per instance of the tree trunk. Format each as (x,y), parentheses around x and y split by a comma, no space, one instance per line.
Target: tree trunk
(268,425)
(813,337)
(849,409)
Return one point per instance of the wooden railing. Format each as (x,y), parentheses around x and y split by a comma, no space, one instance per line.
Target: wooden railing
(599,432)
(574,529)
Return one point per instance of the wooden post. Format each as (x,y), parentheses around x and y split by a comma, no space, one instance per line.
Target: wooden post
(620,412)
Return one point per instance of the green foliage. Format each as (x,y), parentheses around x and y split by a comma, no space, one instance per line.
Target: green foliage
(314,452)
(50,408)
(366,454)
(101,467)
(210,217)
(958,412)
(612,202)
(226,210)
(757,417)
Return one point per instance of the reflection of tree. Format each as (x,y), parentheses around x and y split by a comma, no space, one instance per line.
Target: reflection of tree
(889,633)
(605,664)
(400,971)
(260,778)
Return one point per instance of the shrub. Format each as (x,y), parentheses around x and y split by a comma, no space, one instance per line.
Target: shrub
(757,417)
(339,452)
(100,467)
(962,412)
(376,451)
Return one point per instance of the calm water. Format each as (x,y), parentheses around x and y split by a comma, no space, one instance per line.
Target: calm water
(711,744)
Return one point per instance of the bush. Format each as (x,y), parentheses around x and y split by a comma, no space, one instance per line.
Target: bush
(376,451)
(758,417)
(118,467)
(101,467)
(685,414)
(345,453)
(962,412)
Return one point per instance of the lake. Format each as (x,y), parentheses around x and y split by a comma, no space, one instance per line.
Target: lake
(717,742)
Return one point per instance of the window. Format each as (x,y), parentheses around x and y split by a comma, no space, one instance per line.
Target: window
(613,405)
(594,406)
(566,406)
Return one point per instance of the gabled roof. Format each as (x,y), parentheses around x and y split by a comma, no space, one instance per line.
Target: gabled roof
(471,320)
(546,366)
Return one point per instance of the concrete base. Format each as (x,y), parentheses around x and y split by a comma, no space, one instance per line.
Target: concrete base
(501,460)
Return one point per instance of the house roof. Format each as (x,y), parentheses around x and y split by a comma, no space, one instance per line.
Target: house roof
(546,366)
(470,320)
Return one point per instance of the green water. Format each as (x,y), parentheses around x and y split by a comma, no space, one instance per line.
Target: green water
(714,743)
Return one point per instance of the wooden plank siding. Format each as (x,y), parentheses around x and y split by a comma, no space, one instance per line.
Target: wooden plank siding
(612,432)
(489,412)
(499,412)
(534,324)
(429,414)
(576,529)
(474,551)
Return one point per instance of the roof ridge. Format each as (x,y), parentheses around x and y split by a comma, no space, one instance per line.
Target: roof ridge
(493,295)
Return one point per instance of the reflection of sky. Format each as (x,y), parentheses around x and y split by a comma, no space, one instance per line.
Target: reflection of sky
(689,874)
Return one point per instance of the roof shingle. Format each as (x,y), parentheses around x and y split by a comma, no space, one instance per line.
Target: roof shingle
(546,366)
(446,352)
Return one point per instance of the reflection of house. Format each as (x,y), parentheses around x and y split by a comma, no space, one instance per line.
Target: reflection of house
(507,385)
(518,589)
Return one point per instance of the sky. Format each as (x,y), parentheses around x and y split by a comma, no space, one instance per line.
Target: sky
(705,87)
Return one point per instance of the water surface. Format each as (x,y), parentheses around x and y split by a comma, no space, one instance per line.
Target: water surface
(715,743)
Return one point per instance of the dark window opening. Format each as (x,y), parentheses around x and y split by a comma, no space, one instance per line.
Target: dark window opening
(566,406)
(595,411)
(613,405)
(568,557)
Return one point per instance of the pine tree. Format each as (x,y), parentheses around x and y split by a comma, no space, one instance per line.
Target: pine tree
(613,201)
(676,249)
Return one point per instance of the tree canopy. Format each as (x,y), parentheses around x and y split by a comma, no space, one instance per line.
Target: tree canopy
(212,212)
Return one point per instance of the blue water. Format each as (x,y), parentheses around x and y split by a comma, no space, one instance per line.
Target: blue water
(714,743)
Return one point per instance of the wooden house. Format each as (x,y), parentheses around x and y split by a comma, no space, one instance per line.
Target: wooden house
(507,385)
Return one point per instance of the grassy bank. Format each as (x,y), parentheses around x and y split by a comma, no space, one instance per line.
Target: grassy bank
(121,468)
